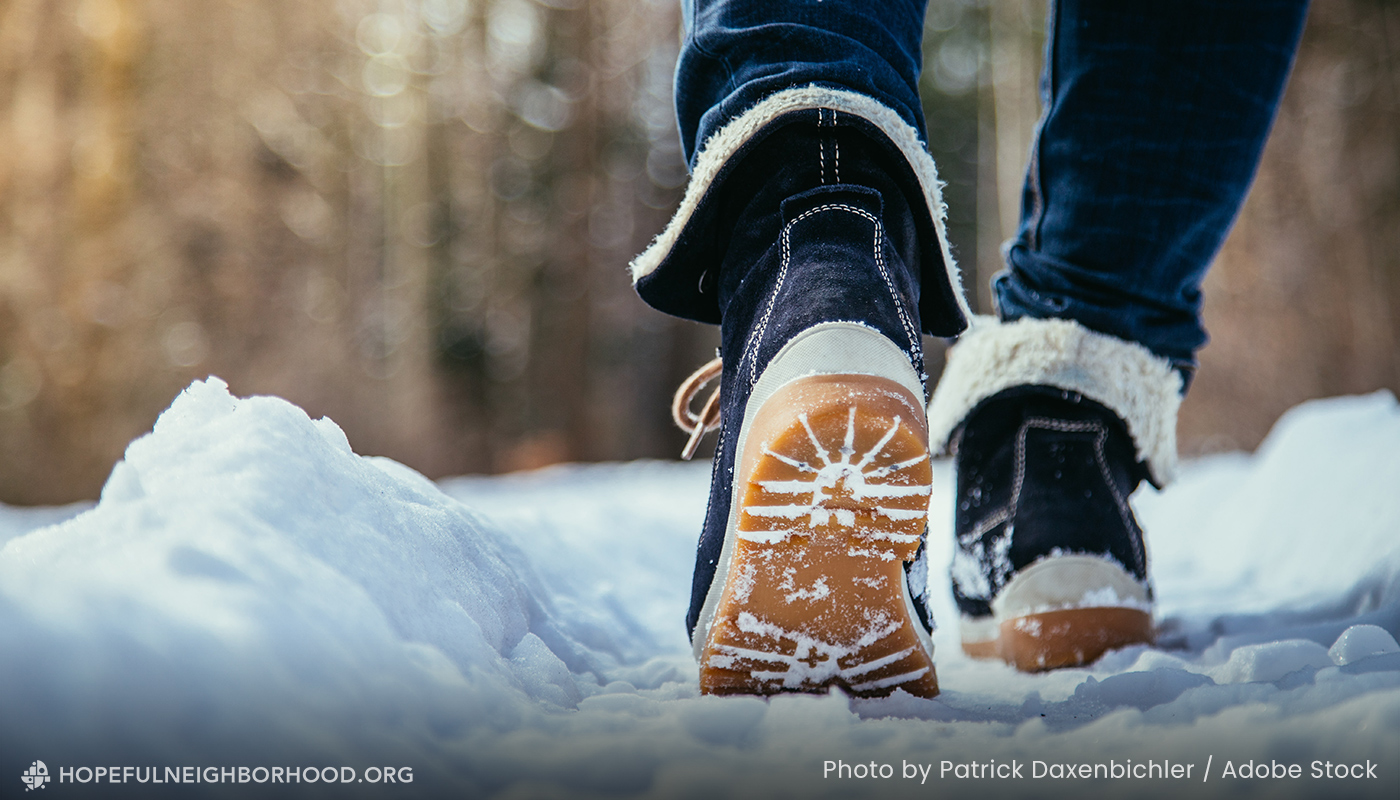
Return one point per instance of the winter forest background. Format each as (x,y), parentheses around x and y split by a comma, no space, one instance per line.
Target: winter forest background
(414,217)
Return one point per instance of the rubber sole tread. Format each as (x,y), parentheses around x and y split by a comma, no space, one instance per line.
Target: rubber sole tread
(834,489)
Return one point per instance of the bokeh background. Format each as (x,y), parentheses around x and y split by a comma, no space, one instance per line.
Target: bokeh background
(414,216)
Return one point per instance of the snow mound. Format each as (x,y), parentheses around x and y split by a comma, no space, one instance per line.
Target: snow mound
(1309,524)
(1362,641)
(245,566)
(251,592)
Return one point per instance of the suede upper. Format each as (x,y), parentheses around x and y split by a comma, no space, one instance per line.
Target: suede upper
(679,273)
(1041,471)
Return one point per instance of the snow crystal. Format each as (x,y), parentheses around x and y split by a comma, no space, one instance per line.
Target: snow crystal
(818,591)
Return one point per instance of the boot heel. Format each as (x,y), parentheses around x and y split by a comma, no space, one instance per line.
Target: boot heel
(1063,611)
(1071,637)
(834,489)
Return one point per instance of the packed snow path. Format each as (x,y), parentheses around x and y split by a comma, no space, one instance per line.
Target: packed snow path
(250,592)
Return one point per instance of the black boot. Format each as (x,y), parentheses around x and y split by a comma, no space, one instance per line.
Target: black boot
(822,238)
(1050,568)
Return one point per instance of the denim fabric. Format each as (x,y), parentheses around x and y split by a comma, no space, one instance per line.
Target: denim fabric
(1155,117)
(737,52)
(1157,113)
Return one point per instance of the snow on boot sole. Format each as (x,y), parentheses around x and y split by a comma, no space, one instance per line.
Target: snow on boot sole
(832,496)
(1062,611)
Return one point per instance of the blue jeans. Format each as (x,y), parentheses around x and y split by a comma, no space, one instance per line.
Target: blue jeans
(1155,117)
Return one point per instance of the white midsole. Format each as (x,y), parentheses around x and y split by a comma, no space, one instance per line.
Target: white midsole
(831,348)
(1059,583)
(979,630)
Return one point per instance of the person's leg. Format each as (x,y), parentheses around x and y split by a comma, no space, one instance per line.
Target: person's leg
(811,231)
(1155,118)
(748,69)
(737,54)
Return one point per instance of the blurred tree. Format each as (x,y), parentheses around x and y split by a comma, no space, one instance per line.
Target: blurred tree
(414,216)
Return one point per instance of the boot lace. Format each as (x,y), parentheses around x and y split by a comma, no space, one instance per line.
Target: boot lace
(697,425)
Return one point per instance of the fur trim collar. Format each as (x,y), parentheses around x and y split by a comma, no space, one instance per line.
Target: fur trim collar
(726,142)
(1141,388)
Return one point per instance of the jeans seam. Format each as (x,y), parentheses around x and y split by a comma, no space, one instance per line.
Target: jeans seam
(694,41)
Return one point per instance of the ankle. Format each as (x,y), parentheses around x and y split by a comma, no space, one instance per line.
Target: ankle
(775,181)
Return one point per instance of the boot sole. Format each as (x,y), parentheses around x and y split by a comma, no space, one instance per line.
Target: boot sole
(1069,632)
(1066,638)
(832,497)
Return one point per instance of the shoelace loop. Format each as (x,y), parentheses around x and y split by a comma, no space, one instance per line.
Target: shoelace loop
(697,425)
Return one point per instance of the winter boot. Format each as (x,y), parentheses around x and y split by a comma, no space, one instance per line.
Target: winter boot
(1052,427)
(822,237)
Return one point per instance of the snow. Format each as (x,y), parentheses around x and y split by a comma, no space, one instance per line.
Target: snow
(248,591)
(1362,641)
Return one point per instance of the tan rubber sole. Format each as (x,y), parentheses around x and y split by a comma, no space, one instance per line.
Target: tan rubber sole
(1066,638)
(834,486)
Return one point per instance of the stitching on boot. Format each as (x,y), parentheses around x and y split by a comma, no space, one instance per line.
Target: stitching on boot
(836,143)
(1005,513)
(1100,437)
(750,350)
